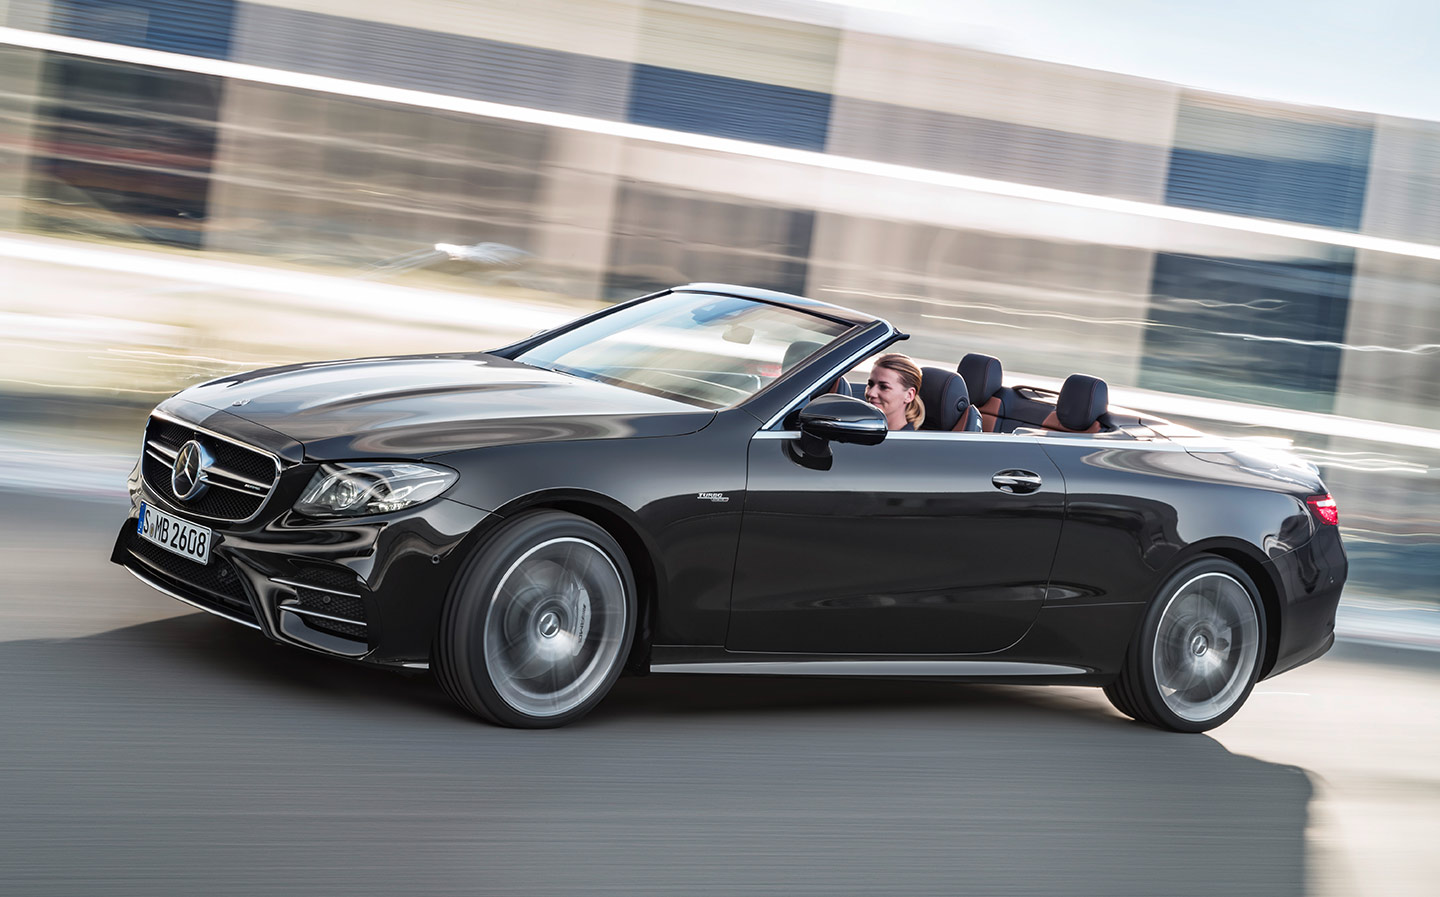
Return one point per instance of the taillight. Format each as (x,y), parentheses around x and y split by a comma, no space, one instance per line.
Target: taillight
(1323,506)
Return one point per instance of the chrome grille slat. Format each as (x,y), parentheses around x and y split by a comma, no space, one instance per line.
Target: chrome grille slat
(312,587)
(217,483)
(231,475)
(294,609)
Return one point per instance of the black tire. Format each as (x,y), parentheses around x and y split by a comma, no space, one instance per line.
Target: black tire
(1196,655)
(538,622)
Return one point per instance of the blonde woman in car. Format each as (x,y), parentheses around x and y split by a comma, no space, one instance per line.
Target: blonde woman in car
(894,388)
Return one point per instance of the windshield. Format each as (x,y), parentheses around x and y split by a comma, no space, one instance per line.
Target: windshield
(711,351)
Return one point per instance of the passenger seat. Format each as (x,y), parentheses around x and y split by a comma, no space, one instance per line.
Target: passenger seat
(947,402)
(1082,403)
(989,396)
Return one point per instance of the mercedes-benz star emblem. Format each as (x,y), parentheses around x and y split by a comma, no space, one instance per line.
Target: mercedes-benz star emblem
(187,477)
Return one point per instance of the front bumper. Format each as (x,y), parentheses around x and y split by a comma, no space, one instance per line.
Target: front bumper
(369,589)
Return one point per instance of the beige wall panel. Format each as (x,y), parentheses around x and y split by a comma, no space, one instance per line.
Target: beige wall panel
(605,28)
(737,45)
(1402,198)
(31,15)
(1395,309)
(763,180)
(19,91)
(958,81)
(314,176)
(577,209)
(1236,126)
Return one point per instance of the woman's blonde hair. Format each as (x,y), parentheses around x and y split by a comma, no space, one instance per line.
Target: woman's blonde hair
(910,376)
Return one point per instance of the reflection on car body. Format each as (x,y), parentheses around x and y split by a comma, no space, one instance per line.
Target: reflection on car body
(686,483)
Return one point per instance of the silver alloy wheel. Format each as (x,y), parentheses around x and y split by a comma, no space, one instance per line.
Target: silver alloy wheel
(555,626)
(1206,644)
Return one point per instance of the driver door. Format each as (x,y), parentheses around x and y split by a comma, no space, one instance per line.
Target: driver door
(906,547)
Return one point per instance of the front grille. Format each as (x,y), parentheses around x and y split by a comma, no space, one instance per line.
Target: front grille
(240,479)
(215,584)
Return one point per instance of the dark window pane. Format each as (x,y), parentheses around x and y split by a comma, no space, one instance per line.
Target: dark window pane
(1254,331)
(194,27)
(1288,167)
(729,107)
(124,151)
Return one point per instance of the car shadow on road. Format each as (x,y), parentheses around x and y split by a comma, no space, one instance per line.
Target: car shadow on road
(676,784)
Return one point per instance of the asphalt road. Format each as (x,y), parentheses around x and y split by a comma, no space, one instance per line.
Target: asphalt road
(146,749)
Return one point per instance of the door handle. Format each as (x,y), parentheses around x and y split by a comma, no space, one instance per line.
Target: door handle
(1017,481)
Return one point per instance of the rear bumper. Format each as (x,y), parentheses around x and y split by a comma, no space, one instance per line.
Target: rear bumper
(1310,578)
(369,590)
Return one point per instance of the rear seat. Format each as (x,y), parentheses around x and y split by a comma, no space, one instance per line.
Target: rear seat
(993,399)
(1081,407)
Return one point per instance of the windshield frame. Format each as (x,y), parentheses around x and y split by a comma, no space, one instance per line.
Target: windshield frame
(852,322)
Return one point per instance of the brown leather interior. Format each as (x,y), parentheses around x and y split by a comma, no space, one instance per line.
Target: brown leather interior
(989,413)
(1053,423)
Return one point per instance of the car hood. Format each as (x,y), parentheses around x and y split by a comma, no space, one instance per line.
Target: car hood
(417,406)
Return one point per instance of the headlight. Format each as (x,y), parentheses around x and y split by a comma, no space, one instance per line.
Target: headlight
(359,488)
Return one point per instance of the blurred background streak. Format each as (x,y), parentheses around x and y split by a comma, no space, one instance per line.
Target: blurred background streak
(165,217)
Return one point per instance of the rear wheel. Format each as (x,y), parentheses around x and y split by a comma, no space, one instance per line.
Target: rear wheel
(1197,654)
(539,622)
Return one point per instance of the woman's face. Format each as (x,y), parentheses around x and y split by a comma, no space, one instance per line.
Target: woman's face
(883,390)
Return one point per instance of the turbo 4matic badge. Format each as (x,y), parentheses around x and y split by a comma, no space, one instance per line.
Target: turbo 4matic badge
(712,496)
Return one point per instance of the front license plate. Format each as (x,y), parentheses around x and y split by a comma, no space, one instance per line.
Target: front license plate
(180,536)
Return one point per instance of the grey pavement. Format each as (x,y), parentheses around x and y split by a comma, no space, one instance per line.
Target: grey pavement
(146,749)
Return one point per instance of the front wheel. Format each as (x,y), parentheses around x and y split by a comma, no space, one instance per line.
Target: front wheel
(538,624)
(1197,654)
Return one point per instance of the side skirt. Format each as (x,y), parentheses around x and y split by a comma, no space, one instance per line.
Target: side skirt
(717,661)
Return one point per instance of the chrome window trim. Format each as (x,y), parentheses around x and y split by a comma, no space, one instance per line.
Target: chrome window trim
(158,496)
(1007,438)
(178,597)
(294,584)
(872,668)
(836,371)
(911,436)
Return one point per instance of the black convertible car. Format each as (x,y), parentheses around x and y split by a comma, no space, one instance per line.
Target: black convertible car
(689,483)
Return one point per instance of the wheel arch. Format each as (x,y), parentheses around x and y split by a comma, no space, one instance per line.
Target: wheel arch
(1254,563)
(620,522)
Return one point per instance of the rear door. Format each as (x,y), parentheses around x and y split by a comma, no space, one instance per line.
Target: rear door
(906,547)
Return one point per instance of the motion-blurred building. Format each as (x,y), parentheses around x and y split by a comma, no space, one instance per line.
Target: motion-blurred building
(1025,255)
(1059,218)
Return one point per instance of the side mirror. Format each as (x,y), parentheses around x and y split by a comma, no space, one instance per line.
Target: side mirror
(836,418)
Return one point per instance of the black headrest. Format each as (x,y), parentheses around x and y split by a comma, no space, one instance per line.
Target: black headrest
(982,376)
(1082,400)
(797,352)
(945,396)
